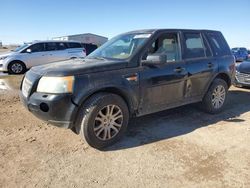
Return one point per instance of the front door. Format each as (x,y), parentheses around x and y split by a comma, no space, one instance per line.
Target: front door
(162,85)
(34,55)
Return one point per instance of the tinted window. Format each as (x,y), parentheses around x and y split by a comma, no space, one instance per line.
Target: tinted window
(193,45)
(218,44)
(243,49)
(165,44)
(74,45)
(89,47)
(51,46)
(39,47)
(61,46)
(207,48)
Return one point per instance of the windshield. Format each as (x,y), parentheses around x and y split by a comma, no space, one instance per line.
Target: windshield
(21,47)
(120,47)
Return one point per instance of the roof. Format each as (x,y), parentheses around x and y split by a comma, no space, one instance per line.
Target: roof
(82,34)
(36,41)
(171,29)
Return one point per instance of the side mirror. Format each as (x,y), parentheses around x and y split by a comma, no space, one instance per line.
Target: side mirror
(155,59)
(28,50)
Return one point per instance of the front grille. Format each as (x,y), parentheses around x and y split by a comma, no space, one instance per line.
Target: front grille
(243,77)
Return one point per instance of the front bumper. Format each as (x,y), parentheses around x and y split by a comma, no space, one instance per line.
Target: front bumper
(242,79)
(57,109)
(3,66)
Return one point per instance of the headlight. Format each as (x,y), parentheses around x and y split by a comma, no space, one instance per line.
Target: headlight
(3,57)
(56,84)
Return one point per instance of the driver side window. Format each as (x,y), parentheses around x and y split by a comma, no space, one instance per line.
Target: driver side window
(38,47)
(166,44)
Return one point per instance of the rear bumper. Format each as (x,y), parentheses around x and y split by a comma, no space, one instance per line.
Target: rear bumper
(58,110)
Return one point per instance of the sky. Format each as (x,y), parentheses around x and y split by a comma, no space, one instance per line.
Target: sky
(27,20)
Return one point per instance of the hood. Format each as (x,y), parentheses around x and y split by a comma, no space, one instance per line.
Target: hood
(78,67)
(243,67)
(7,54)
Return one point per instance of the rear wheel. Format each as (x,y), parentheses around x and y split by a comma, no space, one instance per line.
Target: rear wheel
(103,119)
(215,98)
(16,67)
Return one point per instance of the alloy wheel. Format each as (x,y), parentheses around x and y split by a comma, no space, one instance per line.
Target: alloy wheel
(218,97)
(16,68)
(108,122)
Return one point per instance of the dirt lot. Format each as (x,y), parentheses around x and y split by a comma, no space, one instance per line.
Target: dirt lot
(176,148)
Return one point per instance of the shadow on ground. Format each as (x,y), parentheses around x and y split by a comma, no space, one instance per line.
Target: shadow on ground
(181,121)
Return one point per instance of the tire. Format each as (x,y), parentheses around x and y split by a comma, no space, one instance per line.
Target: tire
(212,101)
(95,128)
(16,67)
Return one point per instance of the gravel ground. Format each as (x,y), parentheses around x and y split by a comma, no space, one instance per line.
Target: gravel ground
(183,147)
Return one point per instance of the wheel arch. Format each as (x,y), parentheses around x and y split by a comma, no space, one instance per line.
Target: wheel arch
(114,90)
(16,60)
(224,76)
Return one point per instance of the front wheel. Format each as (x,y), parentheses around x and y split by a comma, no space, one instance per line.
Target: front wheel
(215,98)
(103,120)
(16,67)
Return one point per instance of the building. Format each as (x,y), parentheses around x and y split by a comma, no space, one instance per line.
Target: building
(1,44)
(85,38)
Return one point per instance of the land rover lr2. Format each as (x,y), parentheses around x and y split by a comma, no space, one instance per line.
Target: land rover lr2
(133,74)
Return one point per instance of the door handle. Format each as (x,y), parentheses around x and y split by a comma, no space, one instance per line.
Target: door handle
(210,65)
(132,77)
(179,69)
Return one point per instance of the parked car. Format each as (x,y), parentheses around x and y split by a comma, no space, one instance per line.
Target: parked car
(133,74)
(242,77)
(37,53)
(89,48)
(240,54)
(248,51)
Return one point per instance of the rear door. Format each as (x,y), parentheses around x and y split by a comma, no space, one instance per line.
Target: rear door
(201,66)
(56,51)
(75,49)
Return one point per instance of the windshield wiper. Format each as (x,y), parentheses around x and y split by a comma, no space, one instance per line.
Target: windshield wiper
(97,57)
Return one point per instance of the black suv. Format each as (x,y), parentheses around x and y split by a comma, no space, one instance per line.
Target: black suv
(133,74)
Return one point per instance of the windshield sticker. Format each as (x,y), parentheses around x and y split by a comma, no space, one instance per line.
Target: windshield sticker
(142,36)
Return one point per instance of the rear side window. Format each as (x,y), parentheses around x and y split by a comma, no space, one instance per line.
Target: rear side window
(74,45)
(51,46)
(193,45)
(89,47)
(218,44)
(61,46)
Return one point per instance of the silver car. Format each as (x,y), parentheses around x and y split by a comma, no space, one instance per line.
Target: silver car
(39,52)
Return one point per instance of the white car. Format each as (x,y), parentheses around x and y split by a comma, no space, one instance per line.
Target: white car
(39,52)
